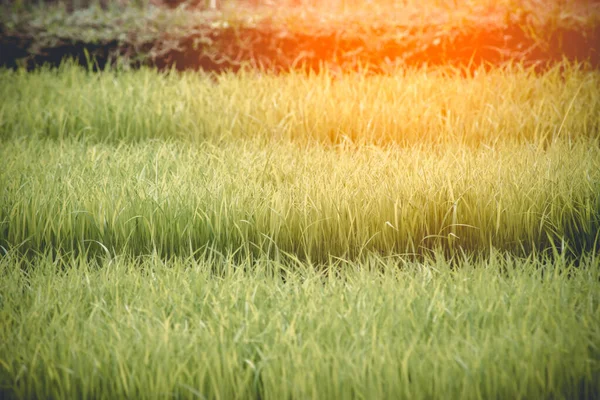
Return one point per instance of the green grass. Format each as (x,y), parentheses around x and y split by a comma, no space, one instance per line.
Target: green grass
(315,166)
(121,328)
(511,105)
(313,202)
(417,235)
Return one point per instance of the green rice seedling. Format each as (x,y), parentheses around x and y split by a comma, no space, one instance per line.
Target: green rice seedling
(512,105)
(502,327)
(313,202)
(417,235)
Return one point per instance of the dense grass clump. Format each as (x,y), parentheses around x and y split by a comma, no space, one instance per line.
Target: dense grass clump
(513,105)
(418,235)
(313,202)
(381,328)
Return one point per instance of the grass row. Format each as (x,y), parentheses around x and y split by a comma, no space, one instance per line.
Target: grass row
(381,328)
(423,107)
(313,202)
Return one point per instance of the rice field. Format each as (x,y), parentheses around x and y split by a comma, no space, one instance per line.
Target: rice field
(423,234)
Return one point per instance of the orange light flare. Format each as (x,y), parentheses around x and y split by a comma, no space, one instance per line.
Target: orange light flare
(463,33)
